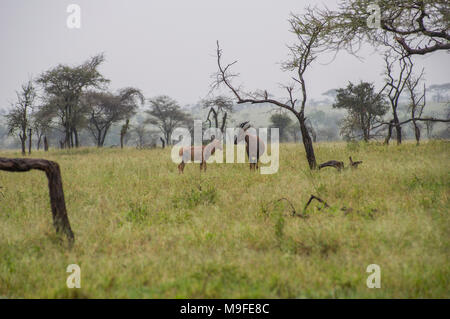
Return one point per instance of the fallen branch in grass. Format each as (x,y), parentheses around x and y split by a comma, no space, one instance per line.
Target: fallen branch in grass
(297,214)
(354,164)
(336,164)
(340,165)
(316,198)
(57,202)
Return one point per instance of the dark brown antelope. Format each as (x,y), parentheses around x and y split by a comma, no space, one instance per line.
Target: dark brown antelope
(254,146)
(201,153)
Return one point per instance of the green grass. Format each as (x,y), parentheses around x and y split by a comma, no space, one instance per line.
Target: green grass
(144,231)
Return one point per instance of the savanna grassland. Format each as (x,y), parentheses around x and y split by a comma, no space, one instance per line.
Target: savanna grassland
(144,231)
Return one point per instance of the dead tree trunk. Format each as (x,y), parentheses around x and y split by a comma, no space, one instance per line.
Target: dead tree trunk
(57,202)
(336,164)
(320,200)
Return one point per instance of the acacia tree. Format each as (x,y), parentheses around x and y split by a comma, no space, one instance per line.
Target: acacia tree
(309,30)
(17,120)
(63,87)
(106,109)
(166,114)
(365,108)
(418,26)
(219,107)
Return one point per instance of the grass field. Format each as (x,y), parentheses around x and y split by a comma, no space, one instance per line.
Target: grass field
(144,231)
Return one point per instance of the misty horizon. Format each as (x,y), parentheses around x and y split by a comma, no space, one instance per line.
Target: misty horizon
(169,49)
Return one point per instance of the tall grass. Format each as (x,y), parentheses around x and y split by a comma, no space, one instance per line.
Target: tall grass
(144,231)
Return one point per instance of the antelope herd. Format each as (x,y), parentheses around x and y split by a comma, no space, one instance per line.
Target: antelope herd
(254,147)
(198,153)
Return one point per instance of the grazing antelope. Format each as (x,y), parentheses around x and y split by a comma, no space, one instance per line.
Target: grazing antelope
(188,153)
(254,146)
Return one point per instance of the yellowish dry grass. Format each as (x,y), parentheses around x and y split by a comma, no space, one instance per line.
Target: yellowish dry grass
(143,231)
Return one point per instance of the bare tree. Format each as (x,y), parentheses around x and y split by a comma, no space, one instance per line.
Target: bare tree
(308,29)
(17,120)
(219,107)
(417,102)
(395,86)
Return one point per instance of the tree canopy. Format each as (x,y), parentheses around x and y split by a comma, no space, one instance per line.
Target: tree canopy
(166,114)
(63,86)
(365,108)
(417,26)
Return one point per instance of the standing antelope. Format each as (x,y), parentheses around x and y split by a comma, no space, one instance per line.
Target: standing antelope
(254,146)
(191,153)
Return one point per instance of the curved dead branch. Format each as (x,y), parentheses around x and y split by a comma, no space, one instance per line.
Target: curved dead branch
(57,202)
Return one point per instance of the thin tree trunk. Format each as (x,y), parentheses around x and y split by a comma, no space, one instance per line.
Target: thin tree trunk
(45,143)
(167,139)
(104,136)
(22,142)
(416,132)
(123,132)
(307,143)
(99,136)
(51,169)
(398,128)
(71,139)
(388,137)
(29,140)
(39,142)
(224,121)
(67,140)
(75,131)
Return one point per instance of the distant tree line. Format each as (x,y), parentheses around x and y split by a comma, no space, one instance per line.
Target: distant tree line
(73,103)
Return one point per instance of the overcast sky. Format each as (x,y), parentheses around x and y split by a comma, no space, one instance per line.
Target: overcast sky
(168,47)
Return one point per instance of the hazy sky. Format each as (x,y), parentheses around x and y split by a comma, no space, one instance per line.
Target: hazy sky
(168,47)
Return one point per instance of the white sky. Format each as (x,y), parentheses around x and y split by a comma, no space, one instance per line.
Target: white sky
(168,47)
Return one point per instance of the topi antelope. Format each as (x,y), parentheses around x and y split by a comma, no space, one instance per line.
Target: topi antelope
(191,153)
(254,146)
